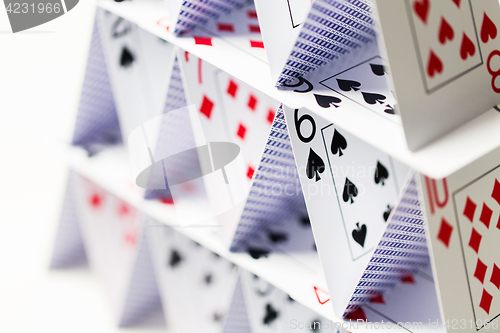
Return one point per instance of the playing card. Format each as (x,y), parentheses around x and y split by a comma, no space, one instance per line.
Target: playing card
(96,121)
(68,246)
(401,251)
(228,111)
(159,60)
(394,310)
(305,37)
(345,179)
(240,28)
(265,304)
(196,285)
(370,90)
(462,211)
(175,99)
(454,48)
(272,310)
(237,316)
(127,71)
(115,247)
(275,218)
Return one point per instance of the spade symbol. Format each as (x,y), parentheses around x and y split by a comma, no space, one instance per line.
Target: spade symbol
(381,173)
(127,58)
(348,85)
(378,70)
(372,98)
(338,143)
(315,165)
(304,221)
(257,253)
(387,213)
(175,259)
(359,234)
(277,237)
(327,101)
(217,317)
(208,278)
(271,314)
(350,191)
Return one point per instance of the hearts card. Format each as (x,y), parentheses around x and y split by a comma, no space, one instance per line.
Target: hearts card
(438,50)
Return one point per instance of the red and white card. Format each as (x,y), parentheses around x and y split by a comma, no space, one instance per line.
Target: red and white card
(463,214)
(444,58)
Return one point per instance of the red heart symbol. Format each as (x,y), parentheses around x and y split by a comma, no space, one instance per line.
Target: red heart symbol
(445,31)
(488,29)
(467,48)
(421,8)
(457,2)
(434,64)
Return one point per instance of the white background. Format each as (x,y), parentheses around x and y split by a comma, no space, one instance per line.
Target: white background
(40,77)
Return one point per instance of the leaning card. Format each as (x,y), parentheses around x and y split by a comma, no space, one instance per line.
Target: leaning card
(444,59)
(463,212)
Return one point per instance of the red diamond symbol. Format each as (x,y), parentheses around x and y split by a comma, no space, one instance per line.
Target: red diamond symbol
(232,88)
(408,279)
(498,223)
(225,27)
(486,301)
(95,200)
(256,44)
(206,107)
(270,116)
(444,234)
(167,201)
(254,28)
(470,209)
(480,270)
(486,216)
(495,276)
(203,40)
(241,131)
(250,172)
(252,14)
(496,191)
(123,209)
(475,240)
(252,102)
(378,299)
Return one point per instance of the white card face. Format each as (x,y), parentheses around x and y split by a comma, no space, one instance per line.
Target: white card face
(249,117)
(439,50)
(463,212)
(365,83)
(127,71)
(196,285)
(265,304)
(298,11)
(158,57)
(280,29)
(111,230)
(347,180)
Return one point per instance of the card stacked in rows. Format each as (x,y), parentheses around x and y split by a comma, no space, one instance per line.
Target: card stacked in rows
(366,209)
(435,51)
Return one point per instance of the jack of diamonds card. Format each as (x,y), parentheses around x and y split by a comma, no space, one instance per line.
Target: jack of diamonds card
(444,58)
(463,211)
